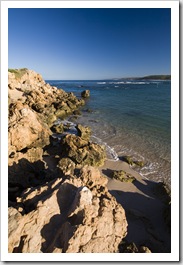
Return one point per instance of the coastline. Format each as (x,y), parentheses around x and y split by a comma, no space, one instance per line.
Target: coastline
(123,117)
(66,161)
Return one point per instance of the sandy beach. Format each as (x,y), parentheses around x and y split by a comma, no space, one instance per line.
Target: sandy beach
(143,206)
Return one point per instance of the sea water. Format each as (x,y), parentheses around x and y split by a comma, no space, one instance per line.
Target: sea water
(130,117)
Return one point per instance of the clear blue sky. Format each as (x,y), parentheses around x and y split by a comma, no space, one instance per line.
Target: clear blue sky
(90,43)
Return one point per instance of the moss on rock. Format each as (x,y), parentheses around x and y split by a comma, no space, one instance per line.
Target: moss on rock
(123,176)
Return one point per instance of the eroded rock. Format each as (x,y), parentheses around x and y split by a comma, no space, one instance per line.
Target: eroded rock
(123,176)
(82,151)
(68,216)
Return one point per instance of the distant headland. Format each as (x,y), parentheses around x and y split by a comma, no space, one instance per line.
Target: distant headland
(149,77)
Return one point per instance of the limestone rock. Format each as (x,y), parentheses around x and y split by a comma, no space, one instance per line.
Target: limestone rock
(84,132)
(59,128)
(123,176)
(67,166)
(67,216)
(81,151)
(26,129)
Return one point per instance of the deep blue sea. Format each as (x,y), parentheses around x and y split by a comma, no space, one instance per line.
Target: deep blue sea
(130,118)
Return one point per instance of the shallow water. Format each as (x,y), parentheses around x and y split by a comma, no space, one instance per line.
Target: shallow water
(130,118)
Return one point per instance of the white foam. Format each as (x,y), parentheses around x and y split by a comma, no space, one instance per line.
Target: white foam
(109,149)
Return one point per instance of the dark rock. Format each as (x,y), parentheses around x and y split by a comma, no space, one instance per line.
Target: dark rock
(82,151)
(139,163)
(59,128)
(66,166)
(85,94)
(128,160)
(126,247)
(123,176)
(84,132)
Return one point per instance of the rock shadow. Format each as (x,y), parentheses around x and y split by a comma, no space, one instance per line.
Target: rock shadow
(145,217)
(59,229)
(25,174)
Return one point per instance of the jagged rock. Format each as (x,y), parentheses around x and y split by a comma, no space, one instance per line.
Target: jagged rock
(85,93)
(29,87)
(123,176)
(81,151)
(144,249)
(67,166)
(26,129)
(84,132)
(67,216)
(33,106)
(92,178)
(55,210)
(58,128)
(27,173)
(126,247)
(51,118)
(128,160)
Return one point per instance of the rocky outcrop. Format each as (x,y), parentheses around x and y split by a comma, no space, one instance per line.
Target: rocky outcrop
(73,215)
(85,93)
(84,132)
(123,176)
(29,87)
(130,161)
(33,108)
(57,201)
(26,129)
(82,152)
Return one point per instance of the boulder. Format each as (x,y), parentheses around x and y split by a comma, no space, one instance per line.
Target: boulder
(67,217)
(85,94)
(67,166)
(84,132)
(128,160)
(81,151)
(58,128)
(123,176)
(26,129)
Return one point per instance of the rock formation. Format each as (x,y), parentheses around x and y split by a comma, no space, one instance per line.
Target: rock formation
(85,93)
(73,215)
(58,202)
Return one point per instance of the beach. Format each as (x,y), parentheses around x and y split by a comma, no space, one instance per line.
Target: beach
(144,207)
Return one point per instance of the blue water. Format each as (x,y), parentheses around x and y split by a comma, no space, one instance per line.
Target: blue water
(131,118)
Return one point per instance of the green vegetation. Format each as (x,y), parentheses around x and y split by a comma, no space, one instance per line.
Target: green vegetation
(156,77)
(18,72)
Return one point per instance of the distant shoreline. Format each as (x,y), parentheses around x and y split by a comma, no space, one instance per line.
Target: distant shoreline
(149,77)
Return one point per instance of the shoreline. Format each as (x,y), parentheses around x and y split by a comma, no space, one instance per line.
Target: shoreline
(42,162)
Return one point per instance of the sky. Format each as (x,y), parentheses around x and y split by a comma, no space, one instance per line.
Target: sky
(90,43)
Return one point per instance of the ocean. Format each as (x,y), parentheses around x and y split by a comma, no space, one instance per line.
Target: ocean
(131,118)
